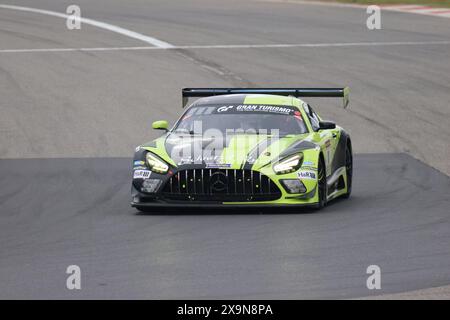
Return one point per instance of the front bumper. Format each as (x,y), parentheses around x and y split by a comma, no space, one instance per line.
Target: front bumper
(205,205)
(170,194)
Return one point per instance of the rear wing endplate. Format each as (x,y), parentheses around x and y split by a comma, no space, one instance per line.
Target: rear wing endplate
(296,92)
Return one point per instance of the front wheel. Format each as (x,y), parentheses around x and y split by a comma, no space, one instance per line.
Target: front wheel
(321,185)
(348,171)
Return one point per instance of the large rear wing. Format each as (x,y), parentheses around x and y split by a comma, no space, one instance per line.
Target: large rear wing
(296,92)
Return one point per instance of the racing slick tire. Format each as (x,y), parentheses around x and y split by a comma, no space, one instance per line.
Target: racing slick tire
(321,185)
(348,170)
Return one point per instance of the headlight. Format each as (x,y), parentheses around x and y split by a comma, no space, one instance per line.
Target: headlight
(293,185)
(155,164)
(290,164)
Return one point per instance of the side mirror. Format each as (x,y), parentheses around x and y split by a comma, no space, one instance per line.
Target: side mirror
(327,125)
(160,125)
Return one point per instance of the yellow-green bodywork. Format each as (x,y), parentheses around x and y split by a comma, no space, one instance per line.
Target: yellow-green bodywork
(324,143)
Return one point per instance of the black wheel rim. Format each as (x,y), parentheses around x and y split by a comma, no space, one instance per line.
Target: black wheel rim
(322,184)
(349,168)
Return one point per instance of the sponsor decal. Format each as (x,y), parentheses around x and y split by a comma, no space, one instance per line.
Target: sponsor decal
(141,174)
(224,108)
(308,168)
(140,168)
(328,143)
(308,163)
(218,165)
(198,159)
(139,163)
(242,108)
(264,108)
(307,175)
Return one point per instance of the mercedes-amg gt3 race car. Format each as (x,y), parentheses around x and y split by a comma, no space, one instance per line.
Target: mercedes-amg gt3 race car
(245,147)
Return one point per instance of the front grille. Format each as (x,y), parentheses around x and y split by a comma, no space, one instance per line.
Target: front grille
(220,185)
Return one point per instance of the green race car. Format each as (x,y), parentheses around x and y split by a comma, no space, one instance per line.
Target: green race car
(245,147)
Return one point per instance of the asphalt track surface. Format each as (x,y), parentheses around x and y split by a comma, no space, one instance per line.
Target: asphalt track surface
(58,212)
(71,119)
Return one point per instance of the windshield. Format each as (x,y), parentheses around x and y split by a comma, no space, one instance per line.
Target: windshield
(256,119)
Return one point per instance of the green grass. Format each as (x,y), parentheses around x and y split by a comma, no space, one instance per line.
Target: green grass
(431,3)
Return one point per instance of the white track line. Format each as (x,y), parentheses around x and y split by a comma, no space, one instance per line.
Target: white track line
(131,34)
(238,46)
(80,49)
(403,8)
(315,45)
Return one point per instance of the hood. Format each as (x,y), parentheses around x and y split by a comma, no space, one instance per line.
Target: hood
(234,152)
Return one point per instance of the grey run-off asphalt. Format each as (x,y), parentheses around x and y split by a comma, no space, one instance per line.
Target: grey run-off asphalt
(59,212)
